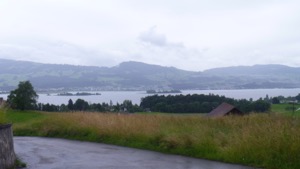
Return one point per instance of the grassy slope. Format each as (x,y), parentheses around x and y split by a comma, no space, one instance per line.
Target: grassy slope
(264,140)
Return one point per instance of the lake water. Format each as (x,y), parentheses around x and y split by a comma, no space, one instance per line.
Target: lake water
(135,96)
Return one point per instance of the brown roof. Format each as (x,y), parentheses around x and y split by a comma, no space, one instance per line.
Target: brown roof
(223,110)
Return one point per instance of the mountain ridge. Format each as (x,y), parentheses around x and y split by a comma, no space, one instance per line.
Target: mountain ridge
(132,75)
(268,68)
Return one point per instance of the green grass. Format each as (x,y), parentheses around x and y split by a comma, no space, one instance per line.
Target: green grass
(286,109)
(271,141)
(3,119)
(20,164)
(19,117)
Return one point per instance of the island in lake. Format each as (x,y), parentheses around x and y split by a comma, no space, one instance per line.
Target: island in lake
(77,94)
(162,91)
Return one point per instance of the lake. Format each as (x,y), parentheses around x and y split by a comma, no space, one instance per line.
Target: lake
(135,96)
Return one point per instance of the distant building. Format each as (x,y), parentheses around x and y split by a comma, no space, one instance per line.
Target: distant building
(225,109)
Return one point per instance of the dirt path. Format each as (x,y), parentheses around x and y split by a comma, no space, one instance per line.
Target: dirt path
(48,153)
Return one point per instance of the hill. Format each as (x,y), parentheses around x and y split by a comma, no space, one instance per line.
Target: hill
(260,76)
(141,76)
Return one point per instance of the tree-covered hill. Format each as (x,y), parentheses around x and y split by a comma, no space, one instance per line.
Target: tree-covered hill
(142,76)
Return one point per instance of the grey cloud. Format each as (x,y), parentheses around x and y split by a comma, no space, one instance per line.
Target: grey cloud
(153,37)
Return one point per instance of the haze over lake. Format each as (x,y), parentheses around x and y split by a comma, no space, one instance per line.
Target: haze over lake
(136,96)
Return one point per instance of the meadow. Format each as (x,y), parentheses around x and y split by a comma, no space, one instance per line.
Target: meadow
(270,140)
(286,109)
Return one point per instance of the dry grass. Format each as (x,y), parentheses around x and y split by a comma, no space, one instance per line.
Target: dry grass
(263,140)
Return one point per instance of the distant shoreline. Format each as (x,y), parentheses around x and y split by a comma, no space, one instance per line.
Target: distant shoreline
(162,92)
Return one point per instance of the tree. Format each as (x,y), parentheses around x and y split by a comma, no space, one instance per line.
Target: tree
(127,105)
(70,105)
(63,108)
(261,106)
(298,97)
(81,105)
(24,97)
(275,100)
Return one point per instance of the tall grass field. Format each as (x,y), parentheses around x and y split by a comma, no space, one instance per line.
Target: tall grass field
(270,141)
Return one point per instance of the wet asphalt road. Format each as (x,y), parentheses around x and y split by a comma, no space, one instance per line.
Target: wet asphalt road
(49,153)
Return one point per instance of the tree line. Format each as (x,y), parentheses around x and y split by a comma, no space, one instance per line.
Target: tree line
(25,98)
(82,105)
(199,103)
(168,104)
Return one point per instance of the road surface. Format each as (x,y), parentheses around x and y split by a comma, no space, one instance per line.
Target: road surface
(50,153)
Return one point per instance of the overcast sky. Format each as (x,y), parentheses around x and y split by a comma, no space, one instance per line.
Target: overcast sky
(187,34)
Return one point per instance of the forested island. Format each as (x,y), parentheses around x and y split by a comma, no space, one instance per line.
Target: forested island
(77,94)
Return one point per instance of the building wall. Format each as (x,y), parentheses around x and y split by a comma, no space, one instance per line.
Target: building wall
(7,153)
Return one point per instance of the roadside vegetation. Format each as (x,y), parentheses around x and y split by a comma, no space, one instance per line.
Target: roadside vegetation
(20,164)
(268,140)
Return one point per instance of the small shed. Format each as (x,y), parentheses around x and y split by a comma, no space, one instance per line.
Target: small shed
(225,109)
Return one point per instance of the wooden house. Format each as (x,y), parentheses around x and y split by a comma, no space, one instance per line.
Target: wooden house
(225,109)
